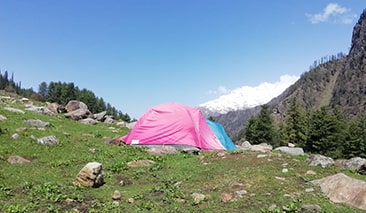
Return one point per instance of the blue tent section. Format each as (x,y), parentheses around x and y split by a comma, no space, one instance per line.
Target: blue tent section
(220,133)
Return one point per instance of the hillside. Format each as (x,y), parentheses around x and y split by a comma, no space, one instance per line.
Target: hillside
(239,181)
(337,81)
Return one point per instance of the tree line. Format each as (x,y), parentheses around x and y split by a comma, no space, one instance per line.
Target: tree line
(61,93)
(323,131)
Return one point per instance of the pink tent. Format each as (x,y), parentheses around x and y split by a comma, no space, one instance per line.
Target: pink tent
(173,124)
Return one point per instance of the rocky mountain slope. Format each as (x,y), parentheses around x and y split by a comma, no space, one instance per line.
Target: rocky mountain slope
(339,82)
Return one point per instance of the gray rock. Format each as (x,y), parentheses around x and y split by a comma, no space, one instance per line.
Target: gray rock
(91,175)
(75,105)
(11,109)
(40,110)
(78,114)
(162,150)
(88,121)
(109,120)
(320,160)
(17,160)
(198,197)
(290,150)
(246,145)
(49,140)
(140,163)
(122,124)
(100,116)
(36,122)
(15,136)
(343,189)
(353,163)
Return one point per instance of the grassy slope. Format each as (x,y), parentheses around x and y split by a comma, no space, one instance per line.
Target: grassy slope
(45,184)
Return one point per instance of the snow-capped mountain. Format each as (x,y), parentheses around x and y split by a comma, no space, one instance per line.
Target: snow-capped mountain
(247,97)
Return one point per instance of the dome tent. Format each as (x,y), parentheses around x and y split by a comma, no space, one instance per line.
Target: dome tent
(173,124)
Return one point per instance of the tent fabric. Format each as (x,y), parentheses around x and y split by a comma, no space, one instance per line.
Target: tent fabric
(220,133)
(173,124)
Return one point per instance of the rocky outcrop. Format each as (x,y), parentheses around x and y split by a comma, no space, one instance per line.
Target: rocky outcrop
(343,189)
(352,164)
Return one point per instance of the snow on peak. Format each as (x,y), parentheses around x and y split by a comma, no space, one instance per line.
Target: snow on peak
(247,97)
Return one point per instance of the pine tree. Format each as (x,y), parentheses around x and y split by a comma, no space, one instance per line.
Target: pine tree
(326,133)
(261,129)
(355,145)
(295,128)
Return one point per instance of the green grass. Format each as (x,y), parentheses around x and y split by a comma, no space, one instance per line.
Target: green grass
(45,184)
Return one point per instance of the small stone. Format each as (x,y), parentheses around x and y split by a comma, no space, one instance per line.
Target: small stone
(180,200)
(262,156)
(17,160)
(240,193)
(15,136)
(21,129)
(280,178)
(93,150)
(69,201)
(130,200)
(221,154)
(198,197)
(284,170)
(116,195)
(309,190)
(140,163)
(226,197)
(310,172)
(116,203)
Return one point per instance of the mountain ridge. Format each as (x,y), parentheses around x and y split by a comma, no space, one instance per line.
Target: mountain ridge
(339,82)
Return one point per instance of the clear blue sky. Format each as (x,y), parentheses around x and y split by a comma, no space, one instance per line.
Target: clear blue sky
(140,53)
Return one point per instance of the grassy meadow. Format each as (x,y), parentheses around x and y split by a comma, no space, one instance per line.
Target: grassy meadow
(251,183)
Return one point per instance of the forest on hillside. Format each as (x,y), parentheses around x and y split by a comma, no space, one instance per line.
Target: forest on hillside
(323,131)
(61,93)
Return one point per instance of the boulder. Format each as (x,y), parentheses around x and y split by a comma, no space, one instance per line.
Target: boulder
(90,121)
(343,189)
(245,145)
(290,150)
(100,116)
(11,109)
(162,150)
(17,160)
(353,163)
(320,160)
(52,107)
(37,123)
(78,114)
(39,110)
(109,120)
(75,105)
(263,147)
(48,140)
(91,175)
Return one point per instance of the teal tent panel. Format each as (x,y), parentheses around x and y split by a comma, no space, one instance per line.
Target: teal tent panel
(220,133)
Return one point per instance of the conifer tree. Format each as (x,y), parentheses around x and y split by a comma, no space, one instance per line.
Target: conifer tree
(295,128)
